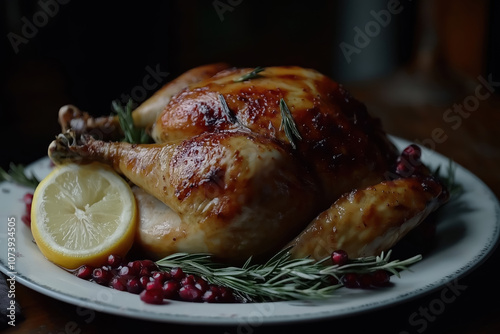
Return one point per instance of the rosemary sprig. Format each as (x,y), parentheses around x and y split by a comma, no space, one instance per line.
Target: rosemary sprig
(18,174)
(133,134)
(449,180)
(229,113)
(250,75)
(288,124)
(281,278)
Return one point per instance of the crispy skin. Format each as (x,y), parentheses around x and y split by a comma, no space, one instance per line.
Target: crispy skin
(241,194)
(341,143)
(368,221)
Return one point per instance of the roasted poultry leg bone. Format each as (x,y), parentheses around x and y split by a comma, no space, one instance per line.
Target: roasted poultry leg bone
(236,194)
(144,116)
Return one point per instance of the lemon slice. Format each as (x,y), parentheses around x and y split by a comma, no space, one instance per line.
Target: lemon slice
(83,213)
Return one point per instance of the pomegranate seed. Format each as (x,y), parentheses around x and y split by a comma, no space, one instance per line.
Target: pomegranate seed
(134,286)
(26,220)
(117,284)
(153,296)
(226,295)
(177,273)
(201,284)
(114,261)
(135,267)
(339,257)
(190,293)
(350,281)
(412,152)
(160,276)
(144,280)
(171,289)
(153,285)
(128,272)
(364,281)
(404,168)
(380,278)
(28,198)
(147,267)
(84,272)
(210,296)
(188,280)
(101,276)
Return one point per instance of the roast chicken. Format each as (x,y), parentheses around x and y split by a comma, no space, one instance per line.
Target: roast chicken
(227,175)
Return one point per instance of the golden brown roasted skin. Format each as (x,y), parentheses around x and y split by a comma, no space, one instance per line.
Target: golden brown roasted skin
(237,194)
(342,145)
(232,183)
(365,222)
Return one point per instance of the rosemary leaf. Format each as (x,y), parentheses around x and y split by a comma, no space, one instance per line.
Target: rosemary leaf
(17,174)
(250,75)
(449,180)
(281,278)
(288,124)
(132,134)
(230,115)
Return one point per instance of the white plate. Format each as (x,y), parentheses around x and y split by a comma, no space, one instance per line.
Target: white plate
(467,233)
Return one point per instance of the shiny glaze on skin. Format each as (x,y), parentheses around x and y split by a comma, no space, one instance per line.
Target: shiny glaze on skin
(341,143)
(368,221)
(245,194)
(237,188)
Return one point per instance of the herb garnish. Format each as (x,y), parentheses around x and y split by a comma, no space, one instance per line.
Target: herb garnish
(281,278)
(229,113)
(251,75)
(132,134)
(453,187)
(17,174)
(288,124)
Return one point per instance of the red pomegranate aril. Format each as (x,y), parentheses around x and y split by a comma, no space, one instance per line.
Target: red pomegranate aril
(160,276)
(101,276)
(413,152)
(350,281)
(144,280)
(28,199)
(201,284)
(126,272)
(135,267)
(190,293)
(188,280)
(84,272)
(114,261)
(26,219)
(210,296)
(153,296)
(177,273)
(117,283)
(134,286)
(339,257)
(380,278)
(364,281)
(153,285)
(226,294)
(171,289)
(148,266)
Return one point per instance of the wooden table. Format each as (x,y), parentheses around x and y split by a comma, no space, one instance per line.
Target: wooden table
(474,144)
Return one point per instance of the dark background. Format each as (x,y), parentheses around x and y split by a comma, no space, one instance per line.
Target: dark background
(89,53)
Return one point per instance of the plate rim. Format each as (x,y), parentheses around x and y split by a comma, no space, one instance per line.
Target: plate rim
(480,257)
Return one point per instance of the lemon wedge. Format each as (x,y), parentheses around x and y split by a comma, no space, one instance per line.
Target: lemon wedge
(80,214)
